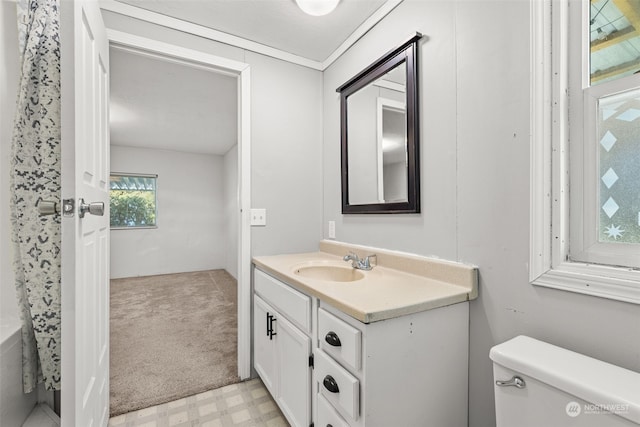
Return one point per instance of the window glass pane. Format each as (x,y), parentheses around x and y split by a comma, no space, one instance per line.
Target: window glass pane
(133,201)
(619,171)
(614,33)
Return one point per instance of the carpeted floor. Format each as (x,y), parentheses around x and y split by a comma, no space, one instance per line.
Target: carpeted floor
(172,336)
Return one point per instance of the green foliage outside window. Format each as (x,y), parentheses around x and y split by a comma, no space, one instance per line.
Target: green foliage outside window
(132,201)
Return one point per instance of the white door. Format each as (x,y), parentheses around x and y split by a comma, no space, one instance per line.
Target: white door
(85,241)
(264,348)
(294,379)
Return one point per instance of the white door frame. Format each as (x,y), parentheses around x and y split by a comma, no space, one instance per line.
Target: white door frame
(197,59)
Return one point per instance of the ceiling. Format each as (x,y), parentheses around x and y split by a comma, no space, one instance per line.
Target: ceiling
(169,106)
(278,24)
(159,104)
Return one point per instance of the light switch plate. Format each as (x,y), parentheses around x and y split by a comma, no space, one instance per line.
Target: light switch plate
(259,217)
(332,229)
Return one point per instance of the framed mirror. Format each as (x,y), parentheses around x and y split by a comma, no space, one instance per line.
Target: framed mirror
(379,135)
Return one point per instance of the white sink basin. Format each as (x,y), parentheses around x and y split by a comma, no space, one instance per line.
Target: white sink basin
(330,273)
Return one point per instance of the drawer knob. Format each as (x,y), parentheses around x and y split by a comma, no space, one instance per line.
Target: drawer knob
(330,384)
(332,339)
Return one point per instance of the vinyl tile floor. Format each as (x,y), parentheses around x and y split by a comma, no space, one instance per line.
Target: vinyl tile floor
(237,405)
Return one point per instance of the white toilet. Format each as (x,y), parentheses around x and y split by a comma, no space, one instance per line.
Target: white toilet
(538,384)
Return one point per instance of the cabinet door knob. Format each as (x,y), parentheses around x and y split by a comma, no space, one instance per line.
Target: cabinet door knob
(271,333)
(268,323)
(332,339)
(330,384)
(270,319)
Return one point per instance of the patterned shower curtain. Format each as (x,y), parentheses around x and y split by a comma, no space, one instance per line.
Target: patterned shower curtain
(35,176)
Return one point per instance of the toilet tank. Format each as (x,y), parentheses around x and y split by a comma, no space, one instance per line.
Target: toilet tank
(561,388)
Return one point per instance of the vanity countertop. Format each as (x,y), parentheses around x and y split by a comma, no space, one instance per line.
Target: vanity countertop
(398,285)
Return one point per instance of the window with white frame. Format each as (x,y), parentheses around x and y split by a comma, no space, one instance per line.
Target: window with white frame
(132,201)
(604,154)
(586,147)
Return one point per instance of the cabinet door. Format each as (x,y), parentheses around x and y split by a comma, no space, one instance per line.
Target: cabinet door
(264,345)
(294,388)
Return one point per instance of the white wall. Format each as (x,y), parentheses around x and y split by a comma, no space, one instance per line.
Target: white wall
(190,234)
(286,139)
(9,76)
(437,224)
(474,124)
(231,210)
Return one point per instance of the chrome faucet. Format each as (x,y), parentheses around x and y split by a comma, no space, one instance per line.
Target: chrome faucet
(360,264)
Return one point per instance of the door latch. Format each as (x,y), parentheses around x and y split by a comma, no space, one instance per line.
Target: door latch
(68,207)
(50,207)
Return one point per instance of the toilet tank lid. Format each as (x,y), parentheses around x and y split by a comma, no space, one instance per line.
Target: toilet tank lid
(589,379)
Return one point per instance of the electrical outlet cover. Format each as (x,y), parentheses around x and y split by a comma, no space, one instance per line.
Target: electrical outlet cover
(259,217)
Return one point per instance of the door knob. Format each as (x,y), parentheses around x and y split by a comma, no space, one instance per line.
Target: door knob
(95,208)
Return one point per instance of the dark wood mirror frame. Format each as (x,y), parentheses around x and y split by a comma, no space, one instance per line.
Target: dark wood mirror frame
(405,53)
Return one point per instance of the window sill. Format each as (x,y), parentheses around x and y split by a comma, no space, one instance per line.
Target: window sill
(146,227)
(616,283)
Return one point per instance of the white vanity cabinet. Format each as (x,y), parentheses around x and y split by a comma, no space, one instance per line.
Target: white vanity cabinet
(282,346)
(408,370)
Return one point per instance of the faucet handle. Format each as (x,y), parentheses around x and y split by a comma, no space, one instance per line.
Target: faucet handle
(351,256)
(366,261)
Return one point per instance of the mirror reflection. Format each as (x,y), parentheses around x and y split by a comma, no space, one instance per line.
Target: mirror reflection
(377,147)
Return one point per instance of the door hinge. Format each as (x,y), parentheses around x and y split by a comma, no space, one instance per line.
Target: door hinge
(311,360)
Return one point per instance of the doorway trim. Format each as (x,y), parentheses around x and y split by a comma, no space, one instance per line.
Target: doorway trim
(197,59)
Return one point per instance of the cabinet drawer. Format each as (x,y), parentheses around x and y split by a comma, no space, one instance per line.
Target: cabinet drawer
(294,305)
(339,339)
(346,388)
(327,416)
